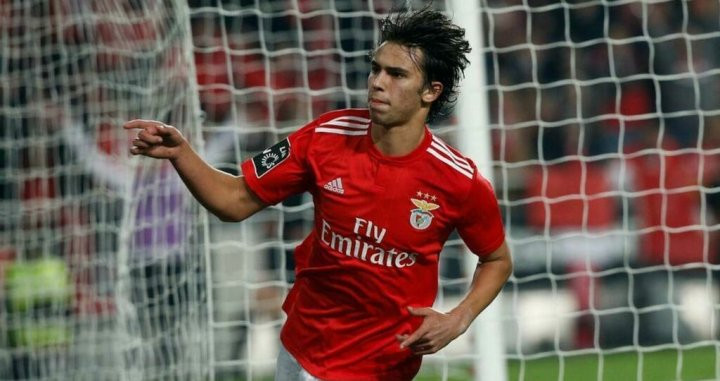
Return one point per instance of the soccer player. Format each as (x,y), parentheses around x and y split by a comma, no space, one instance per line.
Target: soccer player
(387,195)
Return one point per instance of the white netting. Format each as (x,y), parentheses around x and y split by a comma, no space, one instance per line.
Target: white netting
(102,257)
(605,129)
(606,120)
(605,125)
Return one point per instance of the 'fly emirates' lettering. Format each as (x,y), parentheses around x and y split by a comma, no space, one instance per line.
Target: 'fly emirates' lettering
(363,250)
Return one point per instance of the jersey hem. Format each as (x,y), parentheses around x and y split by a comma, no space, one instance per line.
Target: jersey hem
(324,375)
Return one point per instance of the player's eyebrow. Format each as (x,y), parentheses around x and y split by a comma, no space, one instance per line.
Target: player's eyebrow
(392,69)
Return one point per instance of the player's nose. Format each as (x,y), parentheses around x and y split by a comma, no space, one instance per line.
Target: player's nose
(378,80)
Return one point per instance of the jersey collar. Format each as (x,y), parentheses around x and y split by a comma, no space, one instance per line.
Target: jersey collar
(414,154)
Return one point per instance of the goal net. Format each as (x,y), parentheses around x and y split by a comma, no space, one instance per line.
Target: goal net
(102,256)
(605,121)
(604,125)
(604,130)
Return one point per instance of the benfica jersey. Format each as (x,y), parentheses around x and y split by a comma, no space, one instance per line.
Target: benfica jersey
(380,224)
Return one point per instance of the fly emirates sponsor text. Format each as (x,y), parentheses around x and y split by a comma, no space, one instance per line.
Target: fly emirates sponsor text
(362,249)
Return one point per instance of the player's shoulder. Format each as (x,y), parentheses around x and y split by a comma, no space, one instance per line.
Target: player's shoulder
(333,131)
(461,175)
(451,161)
(346,122)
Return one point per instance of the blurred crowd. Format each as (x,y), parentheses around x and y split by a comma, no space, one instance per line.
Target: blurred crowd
(615,103)
(606,124)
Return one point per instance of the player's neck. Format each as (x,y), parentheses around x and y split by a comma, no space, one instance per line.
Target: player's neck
(397,140)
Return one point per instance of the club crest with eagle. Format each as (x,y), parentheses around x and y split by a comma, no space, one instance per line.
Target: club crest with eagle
(421,217)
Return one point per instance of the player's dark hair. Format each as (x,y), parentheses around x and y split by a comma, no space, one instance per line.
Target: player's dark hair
(443,45)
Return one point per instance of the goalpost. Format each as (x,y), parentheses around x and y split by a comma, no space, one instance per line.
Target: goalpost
(598,123)
(475,141)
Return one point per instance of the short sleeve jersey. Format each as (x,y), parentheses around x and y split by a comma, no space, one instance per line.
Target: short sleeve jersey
(380,224)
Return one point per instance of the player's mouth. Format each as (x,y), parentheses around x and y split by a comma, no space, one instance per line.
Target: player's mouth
(376,102)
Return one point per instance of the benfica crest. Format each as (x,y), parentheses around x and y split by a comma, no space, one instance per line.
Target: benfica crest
(421,217)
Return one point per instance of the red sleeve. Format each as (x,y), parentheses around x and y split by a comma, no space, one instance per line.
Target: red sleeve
(281,170)
(480,224)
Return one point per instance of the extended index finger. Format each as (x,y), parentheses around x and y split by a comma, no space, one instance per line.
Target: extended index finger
(143,124)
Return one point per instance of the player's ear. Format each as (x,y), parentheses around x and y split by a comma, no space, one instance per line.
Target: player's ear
(432,91)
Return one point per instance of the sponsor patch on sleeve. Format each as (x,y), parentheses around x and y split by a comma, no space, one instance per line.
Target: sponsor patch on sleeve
(266,160)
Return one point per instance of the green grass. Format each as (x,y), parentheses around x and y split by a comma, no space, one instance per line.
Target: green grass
(696,364)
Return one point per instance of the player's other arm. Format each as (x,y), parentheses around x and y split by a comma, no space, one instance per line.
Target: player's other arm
(224,195)
(438,329)
(490,275)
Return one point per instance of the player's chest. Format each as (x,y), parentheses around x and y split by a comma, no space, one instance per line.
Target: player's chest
(366,197)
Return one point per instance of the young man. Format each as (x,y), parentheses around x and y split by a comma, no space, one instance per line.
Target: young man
(387,195)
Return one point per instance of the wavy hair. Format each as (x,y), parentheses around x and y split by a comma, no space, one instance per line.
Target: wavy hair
(444,49)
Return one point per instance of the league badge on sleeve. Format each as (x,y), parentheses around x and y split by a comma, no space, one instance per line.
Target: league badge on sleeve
(266,160)
(421,217)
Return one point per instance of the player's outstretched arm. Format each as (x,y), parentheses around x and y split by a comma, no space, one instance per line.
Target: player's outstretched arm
(226,196)
(439,329)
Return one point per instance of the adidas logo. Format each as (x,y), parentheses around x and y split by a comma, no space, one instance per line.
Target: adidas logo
(335,186)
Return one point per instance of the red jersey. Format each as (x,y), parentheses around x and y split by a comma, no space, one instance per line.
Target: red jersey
(380,224)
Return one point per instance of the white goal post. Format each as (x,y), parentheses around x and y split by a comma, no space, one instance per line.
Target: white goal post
(474,140)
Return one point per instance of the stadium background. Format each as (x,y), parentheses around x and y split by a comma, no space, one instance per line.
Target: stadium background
(605,126)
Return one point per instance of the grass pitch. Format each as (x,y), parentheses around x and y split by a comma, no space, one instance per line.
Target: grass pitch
(666,365)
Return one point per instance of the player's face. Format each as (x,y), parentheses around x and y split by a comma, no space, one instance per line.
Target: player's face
(397,93)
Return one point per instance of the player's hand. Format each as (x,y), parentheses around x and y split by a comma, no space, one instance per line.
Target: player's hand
(155,139)
(436,331)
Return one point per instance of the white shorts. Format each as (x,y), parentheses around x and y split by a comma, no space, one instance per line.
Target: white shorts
(288,368)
